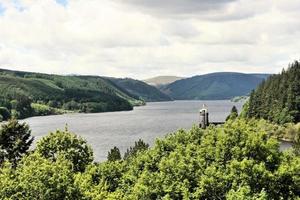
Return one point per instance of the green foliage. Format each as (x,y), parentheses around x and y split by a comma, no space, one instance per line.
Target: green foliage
(67,145)
(114,154)
(278,98)
(101,181)
(244,193)
(245,110)
(139,146)
(22,105)
(233,114)
(15,140)
(18,90)
(42,110)
(239,160)
(4,112)
(296,139)
(38,178)
(214,86)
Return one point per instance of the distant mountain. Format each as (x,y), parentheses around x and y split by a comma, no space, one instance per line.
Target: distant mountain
(140,89)
(162,80)
(214,86)
(264,76)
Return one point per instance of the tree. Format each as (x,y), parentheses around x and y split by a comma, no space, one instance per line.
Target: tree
(67,145)
(5,113)
(22,104)
(100,180)
(114,154)
(38,178)
(140,145)
(239,160)
(278,98)
(15,140)
(233,114)
(296,143)
(236,161)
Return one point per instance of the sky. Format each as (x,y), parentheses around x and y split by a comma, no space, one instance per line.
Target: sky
(147,38)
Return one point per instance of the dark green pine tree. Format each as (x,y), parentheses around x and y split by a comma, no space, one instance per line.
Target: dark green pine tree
(233,114)
(278,98)
(114,154)
(139,146)
(15,140)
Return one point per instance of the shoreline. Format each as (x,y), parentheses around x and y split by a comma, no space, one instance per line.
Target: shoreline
(133,106)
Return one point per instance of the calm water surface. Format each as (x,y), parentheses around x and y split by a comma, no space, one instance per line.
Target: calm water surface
(103,131)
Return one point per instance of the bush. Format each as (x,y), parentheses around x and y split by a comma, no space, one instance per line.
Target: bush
(72,105)
(15,114)
(42,110)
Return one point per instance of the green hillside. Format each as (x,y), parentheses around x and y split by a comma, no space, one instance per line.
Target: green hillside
(214,86)
(18,90)
(278,98)
(140,89)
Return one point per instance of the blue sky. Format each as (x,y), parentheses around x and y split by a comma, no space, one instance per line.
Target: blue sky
(2,9)
(62,2)
(146,38)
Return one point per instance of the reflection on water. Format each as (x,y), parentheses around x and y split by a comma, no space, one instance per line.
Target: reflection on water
(106,130)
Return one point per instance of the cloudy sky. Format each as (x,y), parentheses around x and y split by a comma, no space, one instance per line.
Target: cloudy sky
(145,38)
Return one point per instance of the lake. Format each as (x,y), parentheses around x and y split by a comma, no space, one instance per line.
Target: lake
(103,131)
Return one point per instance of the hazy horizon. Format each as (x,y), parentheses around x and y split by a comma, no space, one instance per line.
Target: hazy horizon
(183,77)
(142,39)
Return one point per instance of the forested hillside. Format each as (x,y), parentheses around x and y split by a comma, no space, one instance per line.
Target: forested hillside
(215,86)
(140,89)
(25,94)
(278,98)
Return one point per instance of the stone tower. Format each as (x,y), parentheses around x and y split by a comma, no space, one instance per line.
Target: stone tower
(203,117)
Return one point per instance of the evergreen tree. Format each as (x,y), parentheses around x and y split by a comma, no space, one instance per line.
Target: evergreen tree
(278,98)
(140,145)
(114,154)
(233,114)
(296,143)
(5,113)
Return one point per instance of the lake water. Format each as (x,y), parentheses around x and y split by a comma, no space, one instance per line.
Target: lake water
(103,131)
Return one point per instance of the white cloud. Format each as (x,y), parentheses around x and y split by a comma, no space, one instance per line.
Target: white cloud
(147,38)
